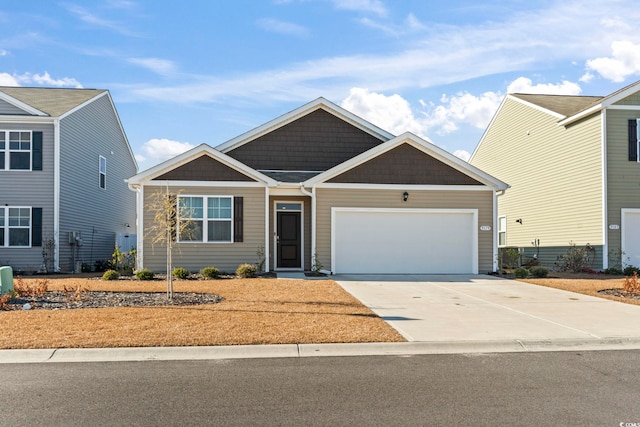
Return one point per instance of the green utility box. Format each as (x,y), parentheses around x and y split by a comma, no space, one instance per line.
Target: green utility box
(6,280)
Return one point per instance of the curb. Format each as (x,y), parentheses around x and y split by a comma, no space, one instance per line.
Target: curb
(138,354)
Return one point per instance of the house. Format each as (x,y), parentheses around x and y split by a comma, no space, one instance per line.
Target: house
(573,166)
(63,160)
(322,189)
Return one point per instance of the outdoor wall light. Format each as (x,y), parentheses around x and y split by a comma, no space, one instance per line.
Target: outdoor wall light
(519,221)
(405,196)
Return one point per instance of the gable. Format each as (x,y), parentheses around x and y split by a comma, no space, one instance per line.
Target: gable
(404,164)
(630,100)
(52,101)
(7,108)
(204,168)
(314,142)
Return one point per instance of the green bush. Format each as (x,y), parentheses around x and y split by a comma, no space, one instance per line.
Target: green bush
(180,273)
(144,274)
(538,271)
(246,271)
(613,271)
(110,275)
(628,271)
(521,273)
(210,272)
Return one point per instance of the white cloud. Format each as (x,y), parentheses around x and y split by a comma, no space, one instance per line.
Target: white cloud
(391,113)
(464,107)
(160,149)
(282,27)
(623,62)
(525,85)
(462,154)
(3,52)
(369,6)
(159,66)
(96,21)
(8,80)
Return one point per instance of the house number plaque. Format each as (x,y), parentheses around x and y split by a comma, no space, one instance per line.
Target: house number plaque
(485,228)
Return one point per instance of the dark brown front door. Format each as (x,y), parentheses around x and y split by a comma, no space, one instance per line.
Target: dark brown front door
(289,240)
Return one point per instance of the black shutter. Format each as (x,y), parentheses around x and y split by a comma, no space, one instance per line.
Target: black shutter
(238,219)
(173,216)
(36,226)
(633,140)
(36,147)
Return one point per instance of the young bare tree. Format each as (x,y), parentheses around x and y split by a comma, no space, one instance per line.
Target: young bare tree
(166,227)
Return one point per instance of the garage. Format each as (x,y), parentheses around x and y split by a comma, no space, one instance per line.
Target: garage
(631,237)
(404,241)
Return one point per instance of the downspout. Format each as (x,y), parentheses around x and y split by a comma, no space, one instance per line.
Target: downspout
(496,254)
(267,253)
(56,195)
(311,194)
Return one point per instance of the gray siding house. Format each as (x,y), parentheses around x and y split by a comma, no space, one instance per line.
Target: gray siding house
(64,157)
(322,189)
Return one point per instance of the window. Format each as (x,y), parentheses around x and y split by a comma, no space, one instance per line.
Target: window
(502,231)
(15,226)
(15,150)
(205,219)
(102,172)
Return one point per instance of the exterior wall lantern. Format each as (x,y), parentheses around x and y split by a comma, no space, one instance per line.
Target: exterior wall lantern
(405,196)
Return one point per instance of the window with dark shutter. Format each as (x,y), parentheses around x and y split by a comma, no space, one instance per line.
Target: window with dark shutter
(238,219)
(36,152)
(633,140)
(36,227)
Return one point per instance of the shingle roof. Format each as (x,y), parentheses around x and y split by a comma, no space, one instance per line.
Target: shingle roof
(52,101)
(567,105)
(290,176)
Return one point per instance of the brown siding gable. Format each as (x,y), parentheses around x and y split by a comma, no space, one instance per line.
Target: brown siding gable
(204,168)
(407,165)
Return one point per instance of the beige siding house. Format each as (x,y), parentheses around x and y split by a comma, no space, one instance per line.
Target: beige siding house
(321,189)
(573,168)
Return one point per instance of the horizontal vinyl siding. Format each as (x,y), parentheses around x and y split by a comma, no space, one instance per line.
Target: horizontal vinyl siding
(195,256)
(10,109)
(30,188)
(481,200)
(97,213)
(630,100)
(623,176)
(554,173)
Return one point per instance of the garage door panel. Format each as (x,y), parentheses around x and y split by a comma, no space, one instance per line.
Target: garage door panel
(404,241)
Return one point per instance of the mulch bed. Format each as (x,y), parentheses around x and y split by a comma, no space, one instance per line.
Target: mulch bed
(58,300)
(620,293)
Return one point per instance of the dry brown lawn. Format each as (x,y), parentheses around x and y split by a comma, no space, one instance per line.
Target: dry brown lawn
(255,311)
(587,284)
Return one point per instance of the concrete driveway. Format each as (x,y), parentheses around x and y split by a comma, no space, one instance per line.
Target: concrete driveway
(484,308)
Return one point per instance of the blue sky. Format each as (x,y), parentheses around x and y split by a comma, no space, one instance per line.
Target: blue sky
(194,72)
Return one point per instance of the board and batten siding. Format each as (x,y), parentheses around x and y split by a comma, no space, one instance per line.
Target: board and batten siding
(554,173)
(97,213)
(623,176)
(30,188)
(195,256)
(328,198)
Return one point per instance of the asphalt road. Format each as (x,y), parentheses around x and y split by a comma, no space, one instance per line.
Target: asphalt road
(519,389)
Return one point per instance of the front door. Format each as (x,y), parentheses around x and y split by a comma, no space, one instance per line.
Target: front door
(288,236)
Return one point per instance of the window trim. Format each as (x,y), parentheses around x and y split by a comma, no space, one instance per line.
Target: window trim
(205,218)
(7,150)
(501,231)
(102,173)
(5,228)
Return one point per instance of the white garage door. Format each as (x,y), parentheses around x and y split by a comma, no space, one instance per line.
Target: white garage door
(631,237)
(404,241)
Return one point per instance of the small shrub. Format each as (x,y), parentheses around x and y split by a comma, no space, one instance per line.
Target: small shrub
(110,275)
(630,270)
(576,260)
(509,257)
(613,271)
(86,268)
(74,294)
(30,291)
(533,262)
(631,284)
(144,274)
(4,301)
(246,270)
(210,272)
(538,271)
(521,273)
(180,273)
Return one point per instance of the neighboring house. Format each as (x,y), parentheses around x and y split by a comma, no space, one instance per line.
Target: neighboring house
(320,188)
(63,160)
(573,167)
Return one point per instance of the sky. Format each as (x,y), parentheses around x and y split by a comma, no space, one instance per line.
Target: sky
(192,72)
